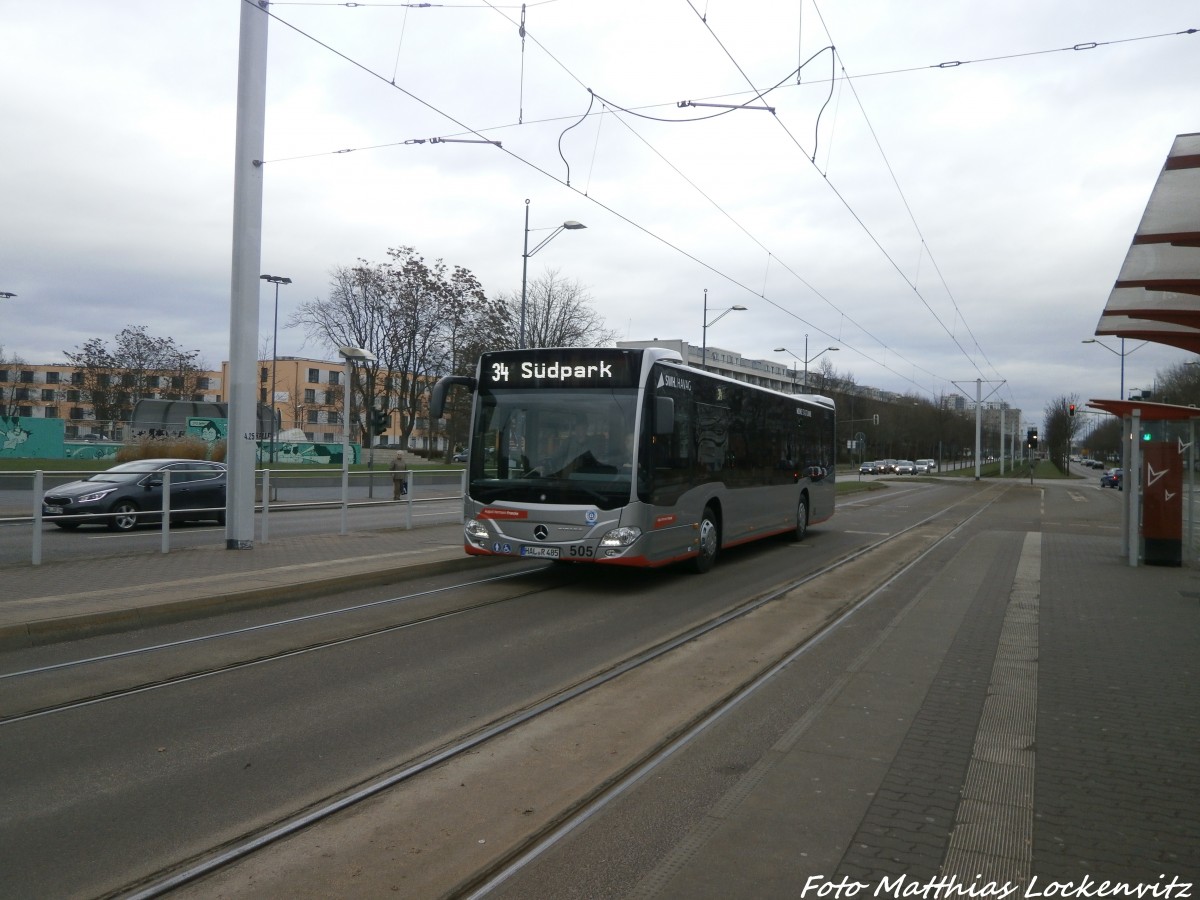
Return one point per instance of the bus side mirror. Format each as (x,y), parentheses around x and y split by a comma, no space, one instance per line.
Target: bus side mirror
(664,415)
(437,397)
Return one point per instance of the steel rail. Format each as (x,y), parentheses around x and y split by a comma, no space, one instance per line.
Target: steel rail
(158,885)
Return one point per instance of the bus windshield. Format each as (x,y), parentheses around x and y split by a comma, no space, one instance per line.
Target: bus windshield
(554,445)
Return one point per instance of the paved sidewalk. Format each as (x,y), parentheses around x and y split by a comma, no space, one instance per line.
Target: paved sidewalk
(63,600)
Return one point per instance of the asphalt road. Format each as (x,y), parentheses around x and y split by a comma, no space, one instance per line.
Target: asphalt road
(94,797)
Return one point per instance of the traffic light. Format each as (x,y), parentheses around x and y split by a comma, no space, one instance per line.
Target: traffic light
(1031,438)
(1071,410)
(380,420)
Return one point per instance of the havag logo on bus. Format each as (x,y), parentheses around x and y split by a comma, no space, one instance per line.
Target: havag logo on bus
(666,379)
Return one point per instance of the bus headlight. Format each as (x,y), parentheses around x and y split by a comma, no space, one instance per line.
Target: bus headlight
(621,537)
(476,532)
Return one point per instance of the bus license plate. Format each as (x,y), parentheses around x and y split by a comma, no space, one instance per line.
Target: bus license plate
(541,552)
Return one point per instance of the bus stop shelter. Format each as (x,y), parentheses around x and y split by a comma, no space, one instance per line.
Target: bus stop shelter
(1158,457)
(1156,298)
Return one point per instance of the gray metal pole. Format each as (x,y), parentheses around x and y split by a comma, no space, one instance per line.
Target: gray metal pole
(346,444)
(979,422)
(524,275)
(241,440)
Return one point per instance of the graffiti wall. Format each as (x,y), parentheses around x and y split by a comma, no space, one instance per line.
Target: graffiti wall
(29,438)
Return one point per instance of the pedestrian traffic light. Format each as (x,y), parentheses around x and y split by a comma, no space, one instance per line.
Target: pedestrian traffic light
(380,420)
(1071,410)
(1031,438)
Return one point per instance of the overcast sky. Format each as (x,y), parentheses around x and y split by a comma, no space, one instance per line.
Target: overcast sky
(938,223)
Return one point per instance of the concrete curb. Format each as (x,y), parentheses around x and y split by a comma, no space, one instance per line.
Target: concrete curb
(46,620)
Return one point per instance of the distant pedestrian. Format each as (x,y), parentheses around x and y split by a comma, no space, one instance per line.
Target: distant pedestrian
(399,476)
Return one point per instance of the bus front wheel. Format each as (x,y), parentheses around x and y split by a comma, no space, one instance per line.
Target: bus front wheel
(801,520)
(709,542)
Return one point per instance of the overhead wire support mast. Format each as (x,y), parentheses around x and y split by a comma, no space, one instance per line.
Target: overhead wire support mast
(683,103)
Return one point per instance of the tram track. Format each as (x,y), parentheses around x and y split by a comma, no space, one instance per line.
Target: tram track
(67,678)
(911,544)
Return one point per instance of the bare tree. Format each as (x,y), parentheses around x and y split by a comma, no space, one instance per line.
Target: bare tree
(9,392)
(139,366)
(1060,428)
(1179,384)
(558,313)
(409,315)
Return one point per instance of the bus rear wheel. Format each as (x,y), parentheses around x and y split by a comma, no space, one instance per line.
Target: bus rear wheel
(710,540)
(801,520)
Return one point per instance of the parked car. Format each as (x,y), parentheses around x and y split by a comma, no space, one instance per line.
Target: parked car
(131,494)
(905,467)
(460,456)
(1111,478)
(925,466)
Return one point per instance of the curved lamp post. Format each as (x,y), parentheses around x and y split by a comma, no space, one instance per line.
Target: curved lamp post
(569,225)
(704,330)
(276,280)
(1121,353)
(351,355)
(806,359)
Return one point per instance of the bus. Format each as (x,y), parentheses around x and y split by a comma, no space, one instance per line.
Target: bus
(630,457)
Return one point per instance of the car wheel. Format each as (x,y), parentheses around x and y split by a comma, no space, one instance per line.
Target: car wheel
(801,519)
(67,526)
(710,540)
(124,516)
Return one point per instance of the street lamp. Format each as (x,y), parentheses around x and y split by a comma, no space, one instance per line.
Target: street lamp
(351,355)
(704,330)
(806,359)
(276,280)
(1121,353)
(6,295)
(569,225)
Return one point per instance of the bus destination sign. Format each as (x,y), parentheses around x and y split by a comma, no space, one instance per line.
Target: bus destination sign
(544,368)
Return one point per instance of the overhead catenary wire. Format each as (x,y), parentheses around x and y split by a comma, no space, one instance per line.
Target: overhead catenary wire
(845,79)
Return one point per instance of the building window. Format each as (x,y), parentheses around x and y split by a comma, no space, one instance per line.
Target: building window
(3,375)
(202,384)
(51,412)
(312,417)
(335,377)
(52,377)
(48,393)
(23,394)
(73,396)
(310,395)
(27,376)
(314,376)
(26,411)
(262,373)
(76,378)
(262,395)
(76,412)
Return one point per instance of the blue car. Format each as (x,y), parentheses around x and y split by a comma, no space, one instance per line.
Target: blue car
(1111,478)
